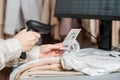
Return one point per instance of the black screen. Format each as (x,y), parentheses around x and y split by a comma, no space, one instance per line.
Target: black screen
(89,9)
(104,10)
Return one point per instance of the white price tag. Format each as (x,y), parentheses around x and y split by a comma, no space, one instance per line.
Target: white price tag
(72,35)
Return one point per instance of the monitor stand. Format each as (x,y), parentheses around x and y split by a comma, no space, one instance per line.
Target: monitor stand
(105,40)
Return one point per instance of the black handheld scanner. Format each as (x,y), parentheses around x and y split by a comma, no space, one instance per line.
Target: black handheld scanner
(38,27)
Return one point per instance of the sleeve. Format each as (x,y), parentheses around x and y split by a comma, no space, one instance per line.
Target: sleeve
(9,49)
(33,54)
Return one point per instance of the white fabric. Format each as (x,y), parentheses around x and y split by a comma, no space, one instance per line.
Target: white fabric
(87,61)
(31,9)
(30,64)
(18,11)
(91,61)
(41,67)
(9,50)
(75,45)
(33,54)
(12,17)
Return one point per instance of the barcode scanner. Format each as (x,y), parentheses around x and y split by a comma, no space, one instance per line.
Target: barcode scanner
(37,27)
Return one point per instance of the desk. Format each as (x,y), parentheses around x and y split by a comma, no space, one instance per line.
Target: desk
(113,76)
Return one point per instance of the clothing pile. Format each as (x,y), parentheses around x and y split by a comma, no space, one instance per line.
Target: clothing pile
(40,67)
(90,61)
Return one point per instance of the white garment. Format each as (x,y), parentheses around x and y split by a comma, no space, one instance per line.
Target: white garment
(18,11)
(40,67)
(91,61)
(11,50)
(33,54)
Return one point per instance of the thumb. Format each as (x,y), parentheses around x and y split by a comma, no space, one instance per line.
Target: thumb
(37,34)
(24,30)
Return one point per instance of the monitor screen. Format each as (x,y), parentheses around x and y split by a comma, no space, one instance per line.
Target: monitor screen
(88,9)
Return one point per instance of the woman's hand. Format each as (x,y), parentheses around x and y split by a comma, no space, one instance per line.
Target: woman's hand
(27,39)
(50,50)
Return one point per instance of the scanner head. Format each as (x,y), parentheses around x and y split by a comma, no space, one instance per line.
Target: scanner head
(38,27)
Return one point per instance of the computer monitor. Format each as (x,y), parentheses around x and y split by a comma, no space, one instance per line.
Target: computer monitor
(90,9)
(104,10)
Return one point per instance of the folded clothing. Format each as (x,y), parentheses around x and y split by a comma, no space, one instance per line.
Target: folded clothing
(40,67)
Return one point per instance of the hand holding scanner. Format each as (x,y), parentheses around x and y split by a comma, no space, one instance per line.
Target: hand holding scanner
(37,27)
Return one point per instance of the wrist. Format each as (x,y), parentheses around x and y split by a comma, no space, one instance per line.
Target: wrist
(34,53)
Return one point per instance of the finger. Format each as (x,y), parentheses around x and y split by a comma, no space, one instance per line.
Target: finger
(24,30)
(34,36)
(54,47)
(36,40)
(37,34)
(58,51)
(58,54)
(52,54)
(58,45)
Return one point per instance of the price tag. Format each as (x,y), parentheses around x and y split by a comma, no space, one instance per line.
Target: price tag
(72,35)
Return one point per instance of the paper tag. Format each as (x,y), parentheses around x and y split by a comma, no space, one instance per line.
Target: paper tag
(72,35)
